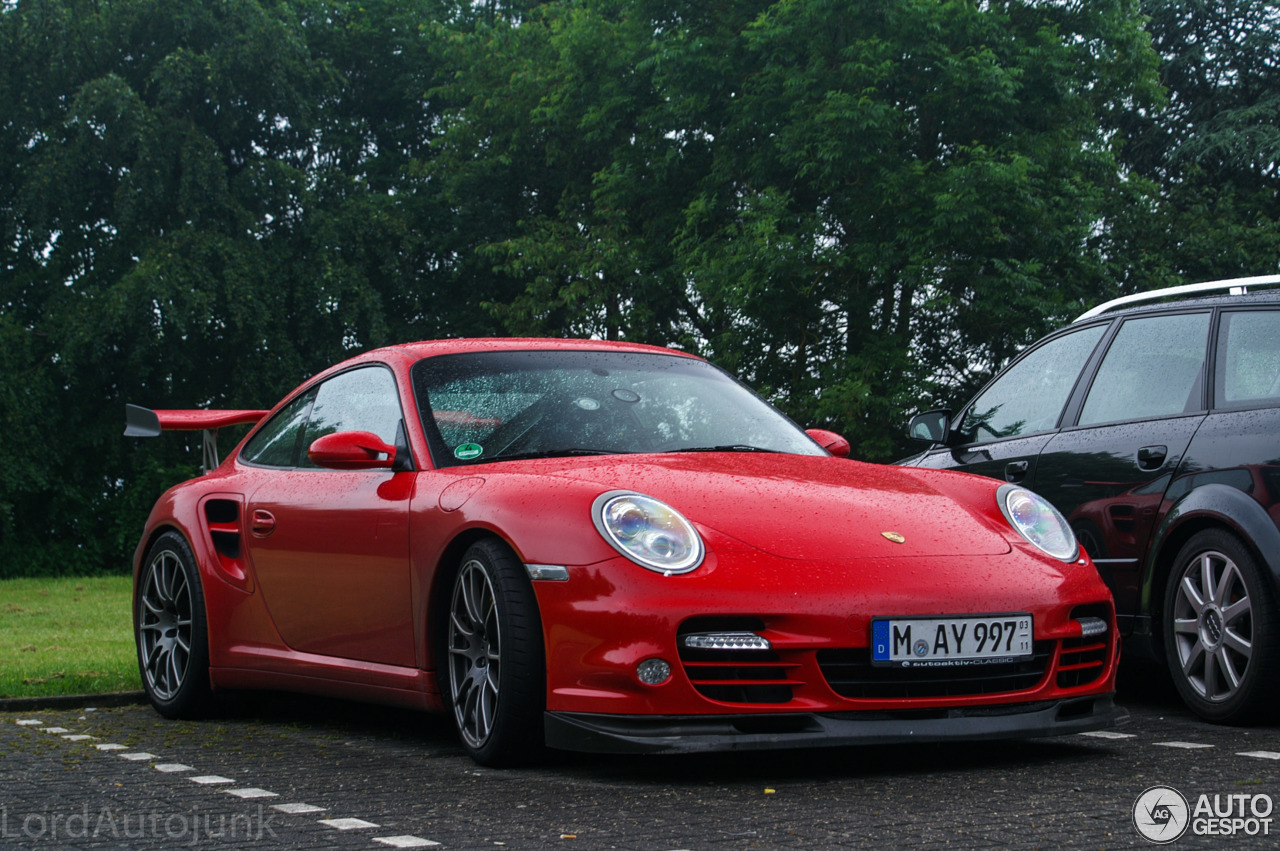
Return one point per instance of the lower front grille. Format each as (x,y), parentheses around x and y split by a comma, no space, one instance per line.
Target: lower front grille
(1082,661)
(850,674)
(737,675)
(730,678)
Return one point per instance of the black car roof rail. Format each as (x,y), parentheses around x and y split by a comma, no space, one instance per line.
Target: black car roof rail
(1234,286)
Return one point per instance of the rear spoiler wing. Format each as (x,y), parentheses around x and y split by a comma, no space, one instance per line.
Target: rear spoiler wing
(144,422)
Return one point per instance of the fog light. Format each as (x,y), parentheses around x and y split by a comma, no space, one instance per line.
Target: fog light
(1090,627)
(653,672)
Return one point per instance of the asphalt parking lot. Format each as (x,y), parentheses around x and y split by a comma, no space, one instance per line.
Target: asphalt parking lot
(294,772)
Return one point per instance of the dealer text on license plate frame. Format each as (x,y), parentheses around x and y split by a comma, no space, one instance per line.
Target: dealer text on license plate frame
(947,641)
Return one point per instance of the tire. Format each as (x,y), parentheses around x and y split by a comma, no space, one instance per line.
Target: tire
(1221,630)
(496,669)
(171,630)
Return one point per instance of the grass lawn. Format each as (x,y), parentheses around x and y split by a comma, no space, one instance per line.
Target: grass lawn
(66,636)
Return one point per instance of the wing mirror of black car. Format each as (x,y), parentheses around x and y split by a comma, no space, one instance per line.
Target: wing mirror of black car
(931,426)
(352,450)
(830,441)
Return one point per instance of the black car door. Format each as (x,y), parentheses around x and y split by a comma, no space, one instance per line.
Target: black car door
(1108,468)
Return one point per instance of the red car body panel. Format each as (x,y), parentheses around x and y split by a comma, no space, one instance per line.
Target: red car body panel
(330,581)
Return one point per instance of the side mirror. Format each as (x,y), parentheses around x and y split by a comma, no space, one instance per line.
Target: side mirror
(352,450)
(930,426)
(830,441)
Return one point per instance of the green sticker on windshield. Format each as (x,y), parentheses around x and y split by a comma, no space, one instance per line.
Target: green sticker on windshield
(467,451)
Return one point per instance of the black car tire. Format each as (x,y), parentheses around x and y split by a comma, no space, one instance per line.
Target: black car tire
(171,632)
(1221,630)
(495,666)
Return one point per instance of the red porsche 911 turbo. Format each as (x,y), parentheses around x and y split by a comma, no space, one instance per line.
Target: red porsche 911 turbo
(614,548)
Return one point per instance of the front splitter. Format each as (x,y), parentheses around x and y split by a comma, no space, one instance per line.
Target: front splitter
(595,733)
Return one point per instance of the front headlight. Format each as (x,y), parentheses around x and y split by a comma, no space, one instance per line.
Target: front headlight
(647,531)
(1038,521)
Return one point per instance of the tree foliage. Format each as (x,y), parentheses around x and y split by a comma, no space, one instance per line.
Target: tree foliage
(1212,153)
(842,201)
(861,207)
(203,203)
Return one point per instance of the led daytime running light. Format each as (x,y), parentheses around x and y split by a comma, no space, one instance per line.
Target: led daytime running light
(1090,627)
(727,641)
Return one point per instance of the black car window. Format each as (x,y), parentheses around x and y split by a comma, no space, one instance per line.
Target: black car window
(1031,394)
(1153,368)
(276,443)
(1248,358)
(362,399)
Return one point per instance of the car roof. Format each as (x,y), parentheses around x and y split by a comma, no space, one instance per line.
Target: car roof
(408,353)
(428,348)
(1230,292)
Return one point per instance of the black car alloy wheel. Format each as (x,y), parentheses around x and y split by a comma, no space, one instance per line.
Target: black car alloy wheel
(1221,629)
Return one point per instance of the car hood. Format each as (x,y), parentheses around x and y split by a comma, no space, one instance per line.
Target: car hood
(802,507)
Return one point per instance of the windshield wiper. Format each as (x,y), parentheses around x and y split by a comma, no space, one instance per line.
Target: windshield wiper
(551,453)
(728,447)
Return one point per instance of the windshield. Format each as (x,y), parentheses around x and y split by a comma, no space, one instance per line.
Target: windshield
(491,406)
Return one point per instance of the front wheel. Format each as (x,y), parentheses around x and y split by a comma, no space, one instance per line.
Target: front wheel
(496,668)
(1221,629)
(170,630)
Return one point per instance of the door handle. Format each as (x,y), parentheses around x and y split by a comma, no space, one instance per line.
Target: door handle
(1152,457)
(1015,471)
(263,523)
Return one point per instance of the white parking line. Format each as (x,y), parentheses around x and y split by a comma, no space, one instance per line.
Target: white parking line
(138,757)
(405,841)
(1108,734)
(29,722)
(297,809)
(111,746)
(173,767)
(251,792)
(78,737)
(210,779)
(1260,754)
(347,823)
(55,729)
(1184,745)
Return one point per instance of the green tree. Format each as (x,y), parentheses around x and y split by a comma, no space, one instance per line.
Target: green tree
(842,201)
(1211,151)
(203,203)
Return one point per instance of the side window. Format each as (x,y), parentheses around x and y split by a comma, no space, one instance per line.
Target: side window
(1030,396)
(1248,359)
(278,442)
(1154,368)
(362,399)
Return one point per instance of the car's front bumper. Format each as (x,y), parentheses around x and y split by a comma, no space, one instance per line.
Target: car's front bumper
(598,733)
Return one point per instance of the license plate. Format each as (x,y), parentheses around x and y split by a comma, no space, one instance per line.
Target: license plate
(954,641)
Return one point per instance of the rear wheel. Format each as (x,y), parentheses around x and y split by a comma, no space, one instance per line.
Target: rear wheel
(1221,629)
(496,667)
(170,630)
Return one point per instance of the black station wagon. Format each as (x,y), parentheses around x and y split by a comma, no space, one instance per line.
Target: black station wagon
(1152,422)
